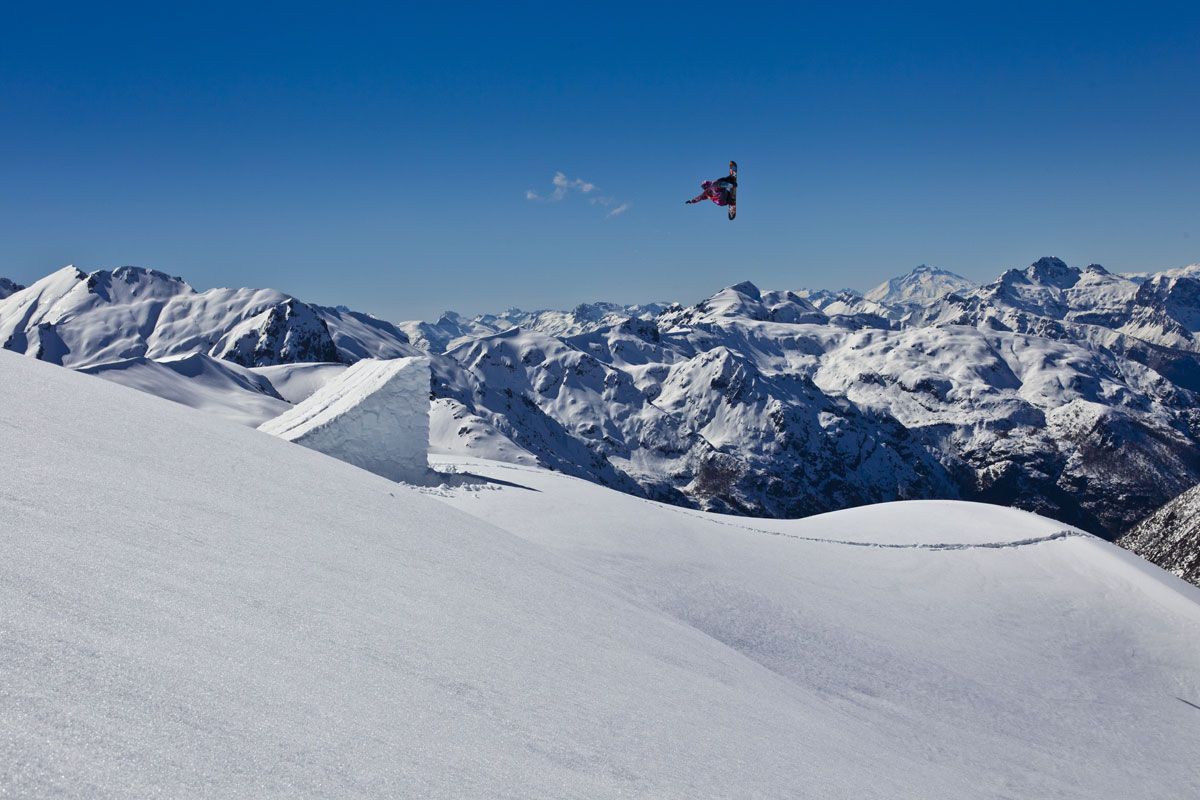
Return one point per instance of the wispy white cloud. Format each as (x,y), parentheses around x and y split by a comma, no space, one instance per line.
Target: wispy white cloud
(563,186)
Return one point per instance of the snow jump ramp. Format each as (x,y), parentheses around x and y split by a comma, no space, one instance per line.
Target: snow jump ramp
(375,415)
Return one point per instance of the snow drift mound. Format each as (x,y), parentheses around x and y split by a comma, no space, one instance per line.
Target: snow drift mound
(375,415)
(296,383)
(201,382)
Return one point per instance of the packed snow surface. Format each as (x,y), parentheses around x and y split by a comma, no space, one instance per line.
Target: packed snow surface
(295,383)
(374,415)
(189,607)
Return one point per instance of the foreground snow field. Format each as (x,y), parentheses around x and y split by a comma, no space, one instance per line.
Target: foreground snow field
(191,607)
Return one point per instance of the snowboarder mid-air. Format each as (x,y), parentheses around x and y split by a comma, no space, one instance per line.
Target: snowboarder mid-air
(722,191)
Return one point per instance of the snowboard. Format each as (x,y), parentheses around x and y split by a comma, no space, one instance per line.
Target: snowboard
(733,191)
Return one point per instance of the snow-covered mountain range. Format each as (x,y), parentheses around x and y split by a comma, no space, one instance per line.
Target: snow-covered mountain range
(196,608)
(82,319)
(1067,391)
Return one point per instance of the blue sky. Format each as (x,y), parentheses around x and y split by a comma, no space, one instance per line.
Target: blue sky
(380,156)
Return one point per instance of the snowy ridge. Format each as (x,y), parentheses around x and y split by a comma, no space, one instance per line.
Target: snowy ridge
(83,319)
(374,415)
(1051,537)
(200,382)
(259,620)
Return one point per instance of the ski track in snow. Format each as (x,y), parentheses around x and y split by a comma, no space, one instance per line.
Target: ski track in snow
(1065,533)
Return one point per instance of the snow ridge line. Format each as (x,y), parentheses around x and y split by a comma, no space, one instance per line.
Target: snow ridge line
(1065,533)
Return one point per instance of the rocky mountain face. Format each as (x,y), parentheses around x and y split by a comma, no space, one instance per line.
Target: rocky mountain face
(286,333)
(1170,537)
(1067,391)
(7,287)
(698,425)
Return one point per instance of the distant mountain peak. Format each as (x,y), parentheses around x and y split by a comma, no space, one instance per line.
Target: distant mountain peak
(747,288)
(920,286)
(1051,271)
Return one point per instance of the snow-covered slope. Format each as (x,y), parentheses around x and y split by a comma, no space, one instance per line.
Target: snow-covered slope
(848,303)
(455,430)
(194,608)
(1004,647)
(450,330)
(1170,537)
(296,382)
(200,382)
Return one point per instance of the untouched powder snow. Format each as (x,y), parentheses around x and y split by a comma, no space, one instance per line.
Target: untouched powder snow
(297,382)
(198,381)
(374,415)
(191,608)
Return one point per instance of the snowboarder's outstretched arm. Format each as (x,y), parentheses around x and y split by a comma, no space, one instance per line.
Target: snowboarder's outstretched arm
(707,194)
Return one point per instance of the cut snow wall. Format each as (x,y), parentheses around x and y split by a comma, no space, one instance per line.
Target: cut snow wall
(375,415)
